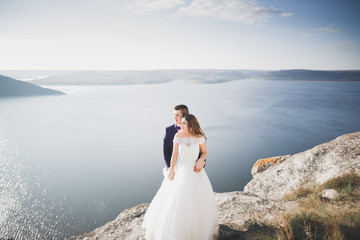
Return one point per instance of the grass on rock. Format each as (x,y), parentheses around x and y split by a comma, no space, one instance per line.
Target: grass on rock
(315,217)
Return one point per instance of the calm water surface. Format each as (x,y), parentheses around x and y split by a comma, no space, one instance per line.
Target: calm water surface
(72,163)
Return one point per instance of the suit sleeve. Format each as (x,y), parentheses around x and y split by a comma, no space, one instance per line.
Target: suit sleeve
(167,148)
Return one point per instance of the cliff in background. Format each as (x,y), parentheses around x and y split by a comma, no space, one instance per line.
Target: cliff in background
(262,198)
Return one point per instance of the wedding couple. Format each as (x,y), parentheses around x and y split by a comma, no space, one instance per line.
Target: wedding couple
(184,207)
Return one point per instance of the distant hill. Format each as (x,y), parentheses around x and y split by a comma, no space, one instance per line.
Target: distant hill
(194,76)
(144,77)
(310,75)
(10,87)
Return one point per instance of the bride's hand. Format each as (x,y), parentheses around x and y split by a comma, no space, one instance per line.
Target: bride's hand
(199,166)
(171,175)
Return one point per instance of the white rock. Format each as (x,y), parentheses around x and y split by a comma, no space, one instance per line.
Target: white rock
(314,166)
(329,194)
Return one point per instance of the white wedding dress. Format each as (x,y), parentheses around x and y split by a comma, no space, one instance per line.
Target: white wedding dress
(184,208)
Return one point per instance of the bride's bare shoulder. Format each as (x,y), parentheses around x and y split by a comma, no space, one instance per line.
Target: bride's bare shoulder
(179,135)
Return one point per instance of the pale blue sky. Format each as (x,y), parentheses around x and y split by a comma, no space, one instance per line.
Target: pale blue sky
(179,34)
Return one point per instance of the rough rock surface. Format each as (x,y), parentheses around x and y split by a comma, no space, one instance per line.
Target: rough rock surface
(314,166)
(126,226)
(235,209)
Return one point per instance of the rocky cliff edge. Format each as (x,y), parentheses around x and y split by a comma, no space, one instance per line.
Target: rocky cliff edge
(262,196)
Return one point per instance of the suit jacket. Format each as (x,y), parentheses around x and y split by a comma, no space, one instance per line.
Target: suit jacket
(168,144)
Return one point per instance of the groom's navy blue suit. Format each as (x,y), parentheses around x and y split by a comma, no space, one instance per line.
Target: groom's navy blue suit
(168,144)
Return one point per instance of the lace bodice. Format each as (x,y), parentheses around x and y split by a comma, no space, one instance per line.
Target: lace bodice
(189,140)
(188,148)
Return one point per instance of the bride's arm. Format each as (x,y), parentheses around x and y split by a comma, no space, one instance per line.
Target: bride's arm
(174,158)
(200,162)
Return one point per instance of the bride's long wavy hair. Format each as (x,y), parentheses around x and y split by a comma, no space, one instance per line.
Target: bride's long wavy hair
(194,126)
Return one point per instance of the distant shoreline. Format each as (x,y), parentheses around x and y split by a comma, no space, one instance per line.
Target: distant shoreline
(126,77)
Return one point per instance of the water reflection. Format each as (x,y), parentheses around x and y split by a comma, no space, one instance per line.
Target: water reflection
(23,214)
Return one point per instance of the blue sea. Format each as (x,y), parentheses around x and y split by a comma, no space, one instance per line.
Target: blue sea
(71,163)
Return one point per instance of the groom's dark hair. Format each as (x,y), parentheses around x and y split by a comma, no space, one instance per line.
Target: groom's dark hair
(183,108)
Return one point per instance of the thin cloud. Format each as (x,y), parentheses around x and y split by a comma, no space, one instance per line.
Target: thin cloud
(246,11)
(324,30)
(344,46)
(329,30)
(152,5)
(286,14)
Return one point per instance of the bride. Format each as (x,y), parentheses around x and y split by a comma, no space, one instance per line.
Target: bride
(184,207)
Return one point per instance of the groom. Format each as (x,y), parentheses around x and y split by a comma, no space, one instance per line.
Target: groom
(179,112)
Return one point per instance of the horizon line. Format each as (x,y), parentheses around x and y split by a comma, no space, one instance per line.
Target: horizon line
(179,69)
